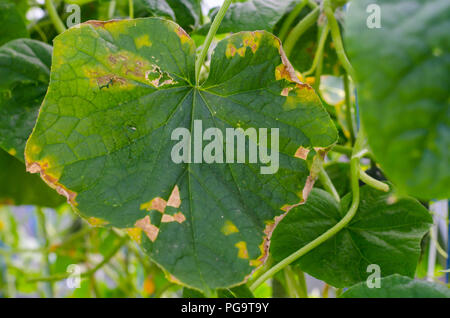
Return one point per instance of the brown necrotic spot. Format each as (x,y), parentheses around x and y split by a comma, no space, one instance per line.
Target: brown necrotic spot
(150,230)
(52,181)
(174,199)
(157,77)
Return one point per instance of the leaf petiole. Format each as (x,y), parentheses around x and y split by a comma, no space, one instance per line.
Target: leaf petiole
(319,51)
(337,39)
(59,25)
(374,183)
(209,37)
(299,29)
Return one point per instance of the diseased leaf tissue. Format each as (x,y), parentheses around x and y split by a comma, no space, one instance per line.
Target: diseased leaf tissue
(204,223)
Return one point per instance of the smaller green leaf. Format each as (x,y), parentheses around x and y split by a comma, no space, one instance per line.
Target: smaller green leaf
(18,187)
(251,15)
(383,232)
(187,13)
(13,26)
(397,286)
(159,8)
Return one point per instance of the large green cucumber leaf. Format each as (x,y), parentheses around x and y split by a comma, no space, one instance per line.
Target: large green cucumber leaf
(11,20)
(397,286)
(24,77)
(118,90)
(251,15)
(383,233)
(403,71)
(17,187)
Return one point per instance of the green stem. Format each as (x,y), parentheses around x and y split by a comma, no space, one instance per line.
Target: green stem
(328,184)
(358,151)
(211,33)
(299,29)
(290,19)
(59,25)
(131,9)
(374,183)
(342,150)
(302,284)
(349,108)
(45,252)
(319,51)
(337,39)
(296,287)
(87,273)
(111,9)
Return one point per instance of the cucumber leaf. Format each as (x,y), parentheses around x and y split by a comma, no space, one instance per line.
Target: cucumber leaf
(119,89)
(17,187)
(24,77)
(382,232)
(403,74)
(11,20)
(397,286)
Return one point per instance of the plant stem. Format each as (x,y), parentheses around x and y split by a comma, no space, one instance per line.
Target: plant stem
(337,39)
(131,9)
(45,252)
(302,283)
(358,151)
(349,108)
(89,272)
(211,33)
(319,51)
(299,29)
(374,183)
(328,184)
(290,19)
(59,25)
(342,149)
(111,9)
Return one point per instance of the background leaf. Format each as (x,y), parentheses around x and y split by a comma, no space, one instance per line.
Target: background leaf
(251,15)
(383,233)
(24,76)
(11,20)
(397,286)
(17,187)
(404,99)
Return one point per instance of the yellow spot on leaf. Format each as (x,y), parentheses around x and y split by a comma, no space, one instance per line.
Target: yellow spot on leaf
(135,234)
(12,152)
(96,221)
(141,41)
(229,228)
(2,225)
(184,37)
(281,72)
(242,247)
(157,204)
